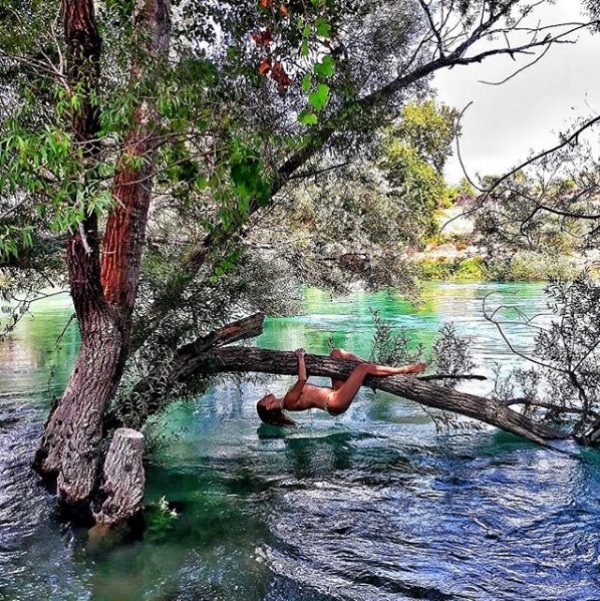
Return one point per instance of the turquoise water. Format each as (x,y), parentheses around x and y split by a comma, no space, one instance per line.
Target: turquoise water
(372,505)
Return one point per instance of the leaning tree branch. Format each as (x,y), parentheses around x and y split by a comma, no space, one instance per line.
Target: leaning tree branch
(431,377)
(147,395)
(241,359)
(208,355)
(535,403)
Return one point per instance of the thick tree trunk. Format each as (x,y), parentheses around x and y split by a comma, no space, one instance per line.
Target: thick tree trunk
(103,296)
(70,446)
(239,359)
(124,236)
(132,190)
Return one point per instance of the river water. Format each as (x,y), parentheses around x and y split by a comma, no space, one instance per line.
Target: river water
(372,505)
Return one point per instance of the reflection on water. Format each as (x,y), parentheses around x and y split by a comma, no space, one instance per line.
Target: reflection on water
(372,505)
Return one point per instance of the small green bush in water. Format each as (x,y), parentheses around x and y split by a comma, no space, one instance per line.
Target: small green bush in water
(160,519)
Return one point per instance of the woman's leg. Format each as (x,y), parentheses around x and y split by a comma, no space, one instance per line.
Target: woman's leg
(339,400)
(340,353)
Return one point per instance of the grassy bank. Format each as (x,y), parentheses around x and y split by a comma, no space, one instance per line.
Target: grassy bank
(523,266)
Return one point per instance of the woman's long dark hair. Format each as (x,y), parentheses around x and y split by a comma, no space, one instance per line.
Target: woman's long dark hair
(274,417)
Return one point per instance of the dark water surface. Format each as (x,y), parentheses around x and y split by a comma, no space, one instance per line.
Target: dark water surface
(373,505)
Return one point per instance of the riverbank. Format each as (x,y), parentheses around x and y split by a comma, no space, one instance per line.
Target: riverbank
(459,254)
(448,262)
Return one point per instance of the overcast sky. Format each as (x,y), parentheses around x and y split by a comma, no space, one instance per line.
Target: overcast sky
(506,122)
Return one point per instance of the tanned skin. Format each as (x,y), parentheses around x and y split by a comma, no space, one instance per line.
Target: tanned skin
(335,400)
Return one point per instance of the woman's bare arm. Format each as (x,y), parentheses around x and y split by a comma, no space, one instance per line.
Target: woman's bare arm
(294,393)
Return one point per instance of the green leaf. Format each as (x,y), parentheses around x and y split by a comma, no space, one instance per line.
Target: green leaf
(306,81)
(323,28)
(326,68)
(307,118)
(319,97)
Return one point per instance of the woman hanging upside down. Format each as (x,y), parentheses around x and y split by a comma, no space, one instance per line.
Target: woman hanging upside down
(334,400)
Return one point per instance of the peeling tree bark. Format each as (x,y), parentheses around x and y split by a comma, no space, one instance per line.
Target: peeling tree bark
(132,189)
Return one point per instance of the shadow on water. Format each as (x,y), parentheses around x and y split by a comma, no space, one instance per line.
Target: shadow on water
(373,505)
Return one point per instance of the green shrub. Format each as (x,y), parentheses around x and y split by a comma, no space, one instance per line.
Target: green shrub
(435,269)
(531,266)
(440,268)
(160,520)
(471,269)
(523,266)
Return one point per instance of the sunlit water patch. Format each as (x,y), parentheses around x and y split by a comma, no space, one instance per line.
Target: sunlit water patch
(372,505)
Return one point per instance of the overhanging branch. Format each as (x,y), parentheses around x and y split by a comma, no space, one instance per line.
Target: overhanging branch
(240,359)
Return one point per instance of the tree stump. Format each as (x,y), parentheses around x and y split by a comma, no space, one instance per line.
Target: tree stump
(123,481)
